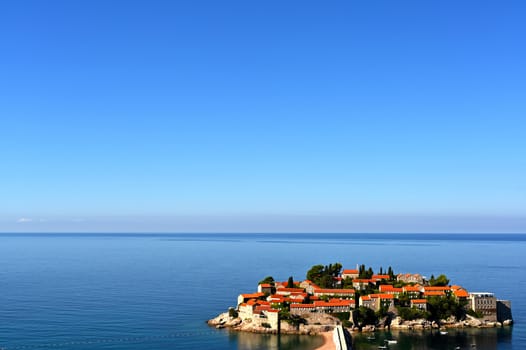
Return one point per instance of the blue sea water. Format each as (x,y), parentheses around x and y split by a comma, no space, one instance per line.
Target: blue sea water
(95,291)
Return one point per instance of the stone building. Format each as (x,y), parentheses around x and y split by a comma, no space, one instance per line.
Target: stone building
(485,304)
(410,278)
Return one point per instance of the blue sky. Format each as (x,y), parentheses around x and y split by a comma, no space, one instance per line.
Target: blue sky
(263,116)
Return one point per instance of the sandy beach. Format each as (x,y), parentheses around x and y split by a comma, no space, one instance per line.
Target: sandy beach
(328,343)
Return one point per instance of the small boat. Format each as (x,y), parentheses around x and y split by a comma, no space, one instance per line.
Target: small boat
(371,337)
(382,347)
(391,341)
(443,333)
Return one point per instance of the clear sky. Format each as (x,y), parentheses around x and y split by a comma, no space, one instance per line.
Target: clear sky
(263,116)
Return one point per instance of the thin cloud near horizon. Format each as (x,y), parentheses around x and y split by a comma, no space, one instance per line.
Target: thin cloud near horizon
(276,224)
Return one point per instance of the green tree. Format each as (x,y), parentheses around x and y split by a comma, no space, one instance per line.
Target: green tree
(315,273)
(403,300)
(347,282)
(364,316)
(268,279)
(232,312)
(361,271)
(384,309)
(440,281)
(411,313)
(443,307)
(390,272)
(326,281)
(290,282)
(335,269)
(296,320)
(324,275)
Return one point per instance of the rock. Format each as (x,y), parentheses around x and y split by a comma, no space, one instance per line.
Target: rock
(219,320)
(472,321)
(384,322)
(449,320)
(233,322)
(368,328)
(507,323)
(396,322)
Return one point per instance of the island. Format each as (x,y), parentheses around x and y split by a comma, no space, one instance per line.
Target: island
(359,300)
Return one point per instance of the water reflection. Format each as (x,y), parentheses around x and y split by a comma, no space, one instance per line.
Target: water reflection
(253,341)
(473,339)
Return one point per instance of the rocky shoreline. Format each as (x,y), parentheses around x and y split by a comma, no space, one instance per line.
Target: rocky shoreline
(315,324)
(318,323)
(397,323)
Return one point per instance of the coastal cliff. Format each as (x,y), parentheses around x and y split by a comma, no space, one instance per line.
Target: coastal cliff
(311,324)
(314,324)
(397,323)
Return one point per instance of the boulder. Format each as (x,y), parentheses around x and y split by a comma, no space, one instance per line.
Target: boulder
(219,320)
(369,328)
(507,323)
(472,321)
(397,321)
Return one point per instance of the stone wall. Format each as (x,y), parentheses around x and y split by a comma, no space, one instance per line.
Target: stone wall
(503,310)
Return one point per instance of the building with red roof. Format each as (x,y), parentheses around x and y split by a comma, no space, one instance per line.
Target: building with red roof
(350,273)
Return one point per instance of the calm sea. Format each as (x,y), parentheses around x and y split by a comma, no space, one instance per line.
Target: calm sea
(143,292)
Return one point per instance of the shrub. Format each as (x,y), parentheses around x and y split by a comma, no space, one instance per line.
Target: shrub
(411,313)
(232,312)
(475,314)
(342,316)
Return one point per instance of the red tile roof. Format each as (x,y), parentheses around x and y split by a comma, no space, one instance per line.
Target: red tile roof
(276,298)
(262,308)
(411,289)
(252,295)
(434,293)
(363,280)
(290,290)
(333,303)
(418,301)
(381,277)
(301,306)
(334,291)
(434,289)
(382,296)
(461,293)
(389,288)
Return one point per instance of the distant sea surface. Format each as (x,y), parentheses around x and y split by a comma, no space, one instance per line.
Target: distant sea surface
(155,291)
